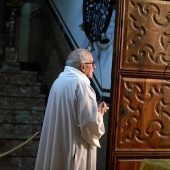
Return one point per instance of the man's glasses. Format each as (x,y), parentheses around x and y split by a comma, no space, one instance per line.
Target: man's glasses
(90,63)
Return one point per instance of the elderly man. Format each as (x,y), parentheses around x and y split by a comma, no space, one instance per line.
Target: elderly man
(73,123)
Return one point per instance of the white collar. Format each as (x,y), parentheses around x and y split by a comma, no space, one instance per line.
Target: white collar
(73,72)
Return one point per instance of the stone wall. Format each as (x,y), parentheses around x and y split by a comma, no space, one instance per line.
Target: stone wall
(41,40)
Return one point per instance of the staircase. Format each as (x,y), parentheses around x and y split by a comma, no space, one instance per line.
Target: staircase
(22,105)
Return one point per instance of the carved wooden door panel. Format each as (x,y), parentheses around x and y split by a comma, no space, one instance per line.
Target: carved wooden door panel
(140,102)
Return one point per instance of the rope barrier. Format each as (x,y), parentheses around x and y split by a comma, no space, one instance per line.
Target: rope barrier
(20,145)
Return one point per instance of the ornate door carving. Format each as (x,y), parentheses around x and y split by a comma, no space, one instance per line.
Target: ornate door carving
(140,100)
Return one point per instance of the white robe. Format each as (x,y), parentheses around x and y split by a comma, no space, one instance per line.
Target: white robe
(72,125)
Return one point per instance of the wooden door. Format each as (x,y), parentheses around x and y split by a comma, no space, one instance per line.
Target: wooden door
(140,101)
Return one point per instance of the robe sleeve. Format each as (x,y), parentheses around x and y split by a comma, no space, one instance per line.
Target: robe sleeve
(90,120)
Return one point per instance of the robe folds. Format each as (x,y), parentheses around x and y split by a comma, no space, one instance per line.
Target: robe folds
(72,125)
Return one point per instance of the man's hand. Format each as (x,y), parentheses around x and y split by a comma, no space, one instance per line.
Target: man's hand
(103,108)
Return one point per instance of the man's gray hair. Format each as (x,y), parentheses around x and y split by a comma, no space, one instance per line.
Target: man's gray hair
(77,57)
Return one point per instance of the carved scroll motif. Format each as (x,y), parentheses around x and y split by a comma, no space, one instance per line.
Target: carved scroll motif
(148,111)
(148,34)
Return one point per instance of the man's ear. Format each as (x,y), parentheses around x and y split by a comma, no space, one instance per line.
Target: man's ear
(82,68)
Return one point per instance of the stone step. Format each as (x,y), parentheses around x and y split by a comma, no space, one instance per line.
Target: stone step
(22,158)
(14,168)
(20,90)
(22,107)
(10,66)
(20,77)
(30,149)
(18,131)
(21,116)
(17,163)
(22,103)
